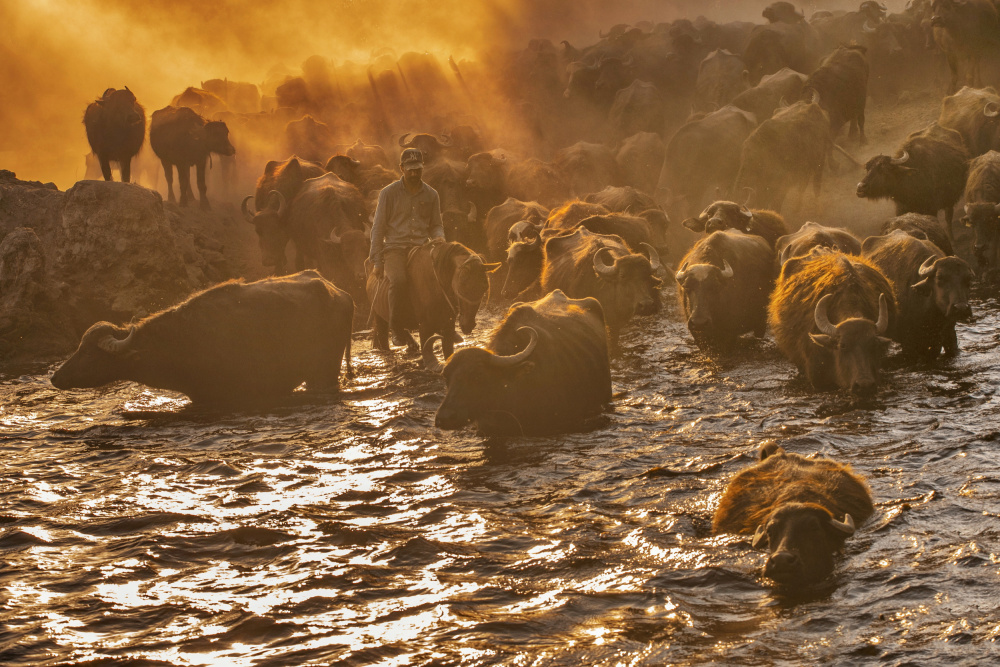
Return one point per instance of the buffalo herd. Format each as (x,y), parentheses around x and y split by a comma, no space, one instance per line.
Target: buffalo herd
(573,234)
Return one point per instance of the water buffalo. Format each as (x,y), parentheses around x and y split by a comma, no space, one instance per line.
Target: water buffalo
(704,152)
(778,45)
(585,264)
(724,282)
(534,180)
(501,218)
(721,77)
(801,509)
(766,97)
(982,207)
(814,235)
(232,344)
(432,146)
(926,227)
(544,370)
(722,215)
(965,30)
(181,138)
(310,138)
(640,158)
(569,215)
(116,128)
(975,114)
(286,177)
(369,180)
(932,291)
(828,313)
(637,108)
(927,176)
(787,150)
(842,83)
(447,282)
(587,167)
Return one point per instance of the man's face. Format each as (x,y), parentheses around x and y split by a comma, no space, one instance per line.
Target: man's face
(411,175)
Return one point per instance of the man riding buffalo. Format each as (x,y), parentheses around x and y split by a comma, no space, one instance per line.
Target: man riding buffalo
(408,214)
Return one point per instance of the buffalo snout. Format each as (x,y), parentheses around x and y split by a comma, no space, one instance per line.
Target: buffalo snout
(783,566)
(863,387)
(862,190)
(960,312)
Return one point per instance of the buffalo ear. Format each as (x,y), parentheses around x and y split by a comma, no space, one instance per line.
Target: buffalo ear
(694,224)
(770,449)
(823,340)
(491,268)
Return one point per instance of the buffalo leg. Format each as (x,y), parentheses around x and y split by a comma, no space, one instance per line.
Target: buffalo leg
(949,214)
(126,168)
(202,186)
(380,334)
(168,172)
(184,183)
(950,342)
(953,66)
(448,341)
(105,167)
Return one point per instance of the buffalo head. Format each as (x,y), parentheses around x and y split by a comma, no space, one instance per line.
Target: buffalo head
(469,284)
(856,345)
(947,281)
(885,176)
(631,280)
(272,232)
(347,168)
(720,216)
(430,145)
(702,289)
(104,355)
(217,138)
(801,539)
(476,376)
(524,266)
(984,218)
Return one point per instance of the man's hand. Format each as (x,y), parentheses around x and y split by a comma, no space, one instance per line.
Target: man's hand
(378,271)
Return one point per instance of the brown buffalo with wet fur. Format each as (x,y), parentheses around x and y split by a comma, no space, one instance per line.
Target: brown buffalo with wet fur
(982,207)
(447,283)
(724,283)
(116,128)
(544,370)
(800,509)
(232,344)
(931,290)
(920,226)
(585,264)
(928,174)
(814,235)
(722,215)
(828,314)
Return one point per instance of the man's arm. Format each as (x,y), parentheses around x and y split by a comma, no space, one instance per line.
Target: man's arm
(437,224)
(378,229)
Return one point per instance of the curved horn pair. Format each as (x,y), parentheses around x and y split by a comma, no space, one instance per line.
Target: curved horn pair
(823,323)
(602,267)
(846,526)
(111,344)
(901,159)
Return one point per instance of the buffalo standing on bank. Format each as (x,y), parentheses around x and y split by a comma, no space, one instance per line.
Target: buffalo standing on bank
(183,139)
(116,128)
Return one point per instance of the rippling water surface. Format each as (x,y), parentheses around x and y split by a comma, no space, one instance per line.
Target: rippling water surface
(355,533)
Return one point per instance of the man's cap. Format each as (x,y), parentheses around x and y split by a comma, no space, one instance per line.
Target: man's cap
(411,158)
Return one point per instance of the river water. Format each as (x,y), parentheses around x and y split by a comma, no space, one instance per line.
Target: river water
(135,530)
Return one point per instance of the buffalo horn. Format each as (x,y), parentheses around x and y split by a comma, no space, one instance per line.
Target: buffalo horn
(403,140)
(727,271)
(867,28)
(759,536)
(473,213)
(444,140)
(747,213)
(431,362)
(279,198)
(518,357)
(846,526)
(821,317)
(333,236)
(815,97)
(246,209)
(628,62)
(966,209)
(991,110)
(681,274)
(901,159)
(602,267)
(111,344)
(997,209)
(883,315)
(654,257)
(883,7)
(926,268)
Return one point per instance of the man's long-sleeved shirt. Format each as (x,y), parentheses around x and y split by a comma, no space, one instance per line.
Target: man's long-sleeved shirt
(402,219)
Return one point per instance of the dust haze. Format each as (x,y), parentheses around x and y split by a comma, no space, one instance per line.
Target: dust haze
(61,55)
